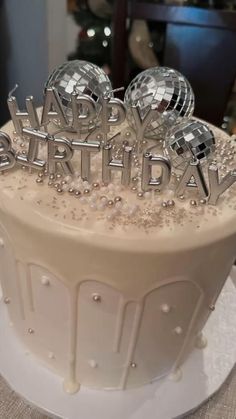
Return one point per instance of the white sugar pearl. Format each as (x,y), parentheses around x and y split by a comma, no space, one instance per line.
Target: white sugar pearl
(147,195)
(111,187)
(165,308)
(93,197)
(68,179)
(51,355)
(93,364)
(83,200)
(126,208)
(134,209)
(101,206)
(65,188)
(178,330)
(118,205)
(45,280)
(104,189)
(169,193)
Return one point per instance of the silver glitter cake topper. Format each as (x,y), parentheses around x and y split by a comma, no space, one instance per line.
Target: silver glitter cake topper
(158,105)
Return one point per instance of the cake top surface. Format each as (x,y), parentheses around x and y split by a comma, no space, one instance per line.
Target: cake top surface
(141,174)
(113,215)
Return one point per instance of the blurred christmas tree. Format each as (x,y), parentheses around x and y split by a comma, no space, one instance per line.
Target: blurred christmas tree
(94,37)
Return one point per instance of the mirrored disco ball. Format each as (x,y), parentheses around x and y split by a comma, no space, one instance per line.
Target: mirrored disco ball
(81,77)
(165,90)
(189,139)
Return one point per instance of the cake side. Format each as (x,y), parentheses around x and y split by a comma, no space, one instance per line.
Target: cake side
(109,307)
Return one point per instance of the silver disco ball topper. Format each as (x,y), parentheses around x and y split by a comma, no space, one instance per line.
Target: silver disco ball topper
(189,140)
(80,77)
(165,90)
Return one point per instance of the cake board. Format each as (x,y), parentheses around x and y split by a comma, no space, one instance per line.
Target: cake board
(202,375)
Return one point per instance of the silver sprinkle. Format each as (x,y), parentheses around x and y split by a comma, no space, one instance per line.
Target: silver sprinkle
(95,185)
(170,203)
(110,203)
(39,181)
(86,191)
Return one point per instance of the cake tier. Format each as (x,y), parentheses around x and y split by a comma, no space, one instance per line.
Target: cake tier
(111,301)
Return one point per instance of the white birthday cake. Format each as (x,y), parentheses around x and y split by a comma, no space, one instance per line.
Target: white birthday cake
(117,225)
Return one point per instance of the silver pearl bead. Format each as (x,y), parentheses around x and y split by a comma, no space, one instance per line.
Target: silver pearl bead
(58,176)
(203,201)
(86,191)
(39,181)
(140,195)
(134,189)
(56,185)
(164,204)
(7,300)
(95,185)
(51,177)
(23,167)
(128,134)
(71,190)
(110,203)
(45,172)
(63,182)
(77,194)
(181,197)
(59,190)
(133,365)
(170,203)
(40,175)
(117,199)
(97,298)
(30,331)
(193,203)
(135,179)
(50,183)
